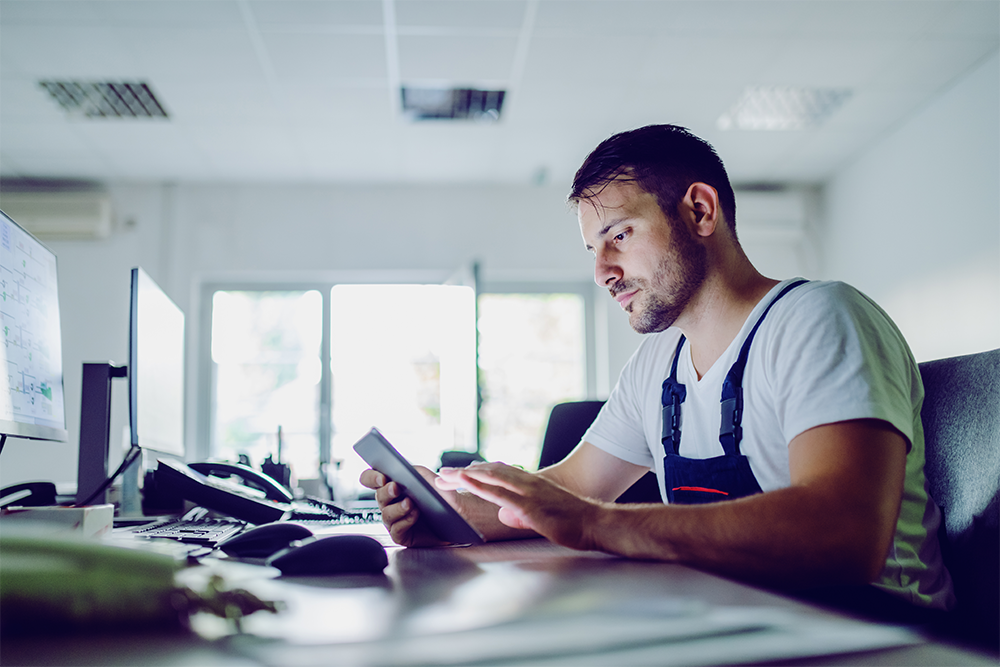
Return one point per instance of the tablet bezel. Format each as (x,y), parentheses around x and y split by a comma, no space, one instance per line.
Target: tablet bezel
(442,519)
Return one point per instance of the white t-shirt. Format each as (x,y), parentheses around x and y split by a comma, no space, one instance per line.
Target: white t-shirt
(825,353)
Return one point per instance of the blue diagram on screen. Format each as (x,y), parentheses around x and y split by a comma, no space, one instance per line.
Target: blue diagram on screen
(29,322)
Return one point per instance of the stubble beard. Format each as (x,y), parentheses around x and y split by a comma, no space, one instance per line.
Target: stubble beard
(674,284)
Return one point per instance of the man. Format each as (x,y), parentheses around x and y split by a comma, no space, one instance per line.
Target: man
(782,418)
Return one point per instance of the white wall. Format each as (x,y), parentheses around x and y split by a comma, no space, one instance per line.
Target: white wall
(915,221)
(184,235)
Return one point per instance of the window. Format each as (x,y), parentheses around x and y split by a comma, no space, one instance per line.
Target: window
(401,358)
(532,355)
(266,358)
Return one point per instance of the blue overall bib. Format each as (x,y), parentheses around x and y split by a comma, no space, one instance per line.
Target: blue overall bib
(696,481)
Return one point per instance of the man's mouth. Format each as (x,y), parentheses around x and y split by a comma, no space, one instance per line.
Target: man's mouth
(625,298)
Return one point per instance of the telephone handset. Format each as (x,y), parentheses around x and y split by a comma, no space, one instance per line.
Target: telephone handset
(272,488)
(29,494)
(259,499)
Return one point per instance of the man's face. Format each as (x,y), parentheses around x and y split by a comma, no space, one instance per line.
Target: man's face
(650,264)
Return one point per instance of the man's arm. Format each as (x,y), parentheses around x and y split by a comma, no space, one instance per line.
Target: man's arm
(590,472)
(587,472)
(834,524)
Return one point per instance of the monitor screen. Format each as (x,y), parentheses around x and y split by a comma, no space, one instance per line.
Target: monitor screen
(155,368)
(32,404)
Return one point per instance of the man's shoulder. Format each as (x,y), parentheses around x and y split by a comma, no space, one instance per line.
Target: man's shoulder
(823,297)
(654,351)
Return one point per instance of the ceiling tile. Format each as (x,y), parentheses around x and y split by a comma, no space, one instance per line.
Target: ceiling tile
(873,107)
(491,14)
(968,19)
(342,107)
(698,60)
(63,52)
(594,18)
(170,13)
(931,63)
(191,54)
(24,138)
(25,100)
(309,14)
(864,18)
(233,144)
(318,57)
(464,60)
(201,100)
(53,12)
(564,57)
(828,62)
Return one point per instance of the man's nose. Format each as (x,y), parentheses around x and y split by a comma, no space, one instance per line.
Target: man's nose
(605,272)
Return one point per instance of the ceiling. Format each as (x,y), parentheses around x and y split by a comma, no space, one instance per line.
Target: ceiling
(309,90)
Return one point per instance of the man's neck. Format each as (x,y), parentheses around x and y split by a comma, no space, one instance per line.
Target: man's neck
(715,316)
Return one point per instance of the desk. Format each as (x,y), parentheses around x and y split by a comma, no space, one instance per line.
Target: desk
(525,602)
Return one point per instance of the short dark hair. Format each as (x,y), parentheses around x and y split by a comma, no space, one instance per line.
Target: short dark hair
(663,160)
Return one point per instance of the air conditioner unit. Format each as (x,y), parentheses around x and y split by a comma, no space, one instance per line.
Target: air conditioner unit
(60,215)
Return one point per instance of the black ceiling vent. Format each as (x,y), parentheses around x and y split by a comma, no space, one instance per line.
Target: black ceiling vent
(121,99)
(452,104)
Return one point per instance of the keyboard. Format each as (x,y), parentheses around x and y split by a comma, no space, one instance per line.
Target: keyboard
(203,531)
(328,513)
(210,531)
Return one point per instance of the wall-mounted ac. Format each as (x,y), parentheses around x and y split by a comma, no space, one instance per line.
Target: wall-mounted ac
(61,215)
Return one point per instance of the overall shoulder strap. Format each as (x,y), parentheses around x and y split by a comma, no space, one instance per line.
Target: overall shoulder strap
(730,430)
(672,396)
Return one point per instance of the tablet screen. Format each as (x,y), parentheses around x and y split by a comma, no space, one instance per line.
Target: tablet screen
(446,523)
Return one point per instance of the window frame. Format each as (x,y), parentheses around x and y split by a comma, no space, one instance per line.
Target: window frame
(205,379)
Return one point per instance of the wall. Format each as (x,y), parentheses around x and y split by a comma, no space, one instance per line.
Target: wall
(915,221)
(184,235)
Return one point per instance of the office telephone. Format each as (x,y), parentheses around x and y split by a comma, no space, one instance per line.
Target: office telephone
(29,494)
(241,492)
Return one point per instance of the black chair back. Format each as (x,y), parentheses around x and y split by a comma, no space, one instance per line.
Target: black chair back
(961,418)
(567,424)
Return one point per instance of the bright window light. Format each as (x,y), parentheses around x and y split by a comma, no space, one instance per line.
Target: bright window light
(403,360)
(265,353)
(532,355)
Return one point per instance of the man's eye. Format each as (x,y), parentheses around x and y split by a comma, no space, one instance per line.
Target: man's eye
(620,236)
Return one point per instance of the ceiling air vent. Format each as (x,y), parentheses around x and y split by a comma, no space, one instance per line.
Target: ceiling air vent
(782,108)
(452,104)
(121,99)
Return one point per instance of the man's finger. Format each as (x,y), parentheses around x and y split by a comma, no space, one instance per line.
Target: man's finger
(496,494)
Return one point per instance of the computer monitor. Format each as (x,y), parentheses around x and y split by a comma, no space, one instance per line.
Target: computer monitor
(155,375)
(155,368)
(32,403)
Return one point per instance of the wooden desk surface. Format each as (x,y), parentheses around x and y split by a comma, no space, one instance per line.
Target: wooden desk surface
(525,602)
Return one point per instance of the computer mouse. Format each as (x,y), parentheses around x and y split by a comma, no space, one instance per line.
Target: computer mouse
(331,554)
(264,540)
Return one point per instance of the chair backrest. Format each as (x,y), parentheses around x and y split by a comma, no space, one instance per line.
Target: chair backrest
(567,424)
(961,418)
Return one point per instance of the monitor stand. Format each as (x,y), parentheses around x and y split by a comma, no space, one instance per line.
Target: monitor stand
(95,426)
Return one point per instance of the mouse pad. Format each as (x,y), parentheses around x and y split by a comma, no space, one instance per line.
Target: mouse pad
(441,517)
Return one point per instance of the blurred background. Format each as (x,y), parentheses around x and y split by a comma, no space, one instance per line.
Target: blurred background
(360,204)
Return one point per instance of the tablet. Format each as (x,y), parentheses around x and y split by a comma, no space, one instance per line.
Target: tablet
(441,518)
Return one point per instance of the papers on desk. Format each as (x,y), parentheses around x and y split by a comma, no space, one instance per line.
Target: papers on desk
(729,635)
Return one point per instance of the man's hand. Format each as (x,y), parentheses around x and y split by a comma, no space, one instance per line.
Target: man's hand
(527,501)
(399,514)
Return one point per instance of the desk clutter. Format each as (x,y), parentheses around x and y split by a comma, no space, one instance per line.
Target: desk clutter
(65,584)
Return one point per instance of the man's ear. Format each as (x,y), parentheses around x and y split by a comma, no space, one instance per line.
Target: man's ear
(702,204)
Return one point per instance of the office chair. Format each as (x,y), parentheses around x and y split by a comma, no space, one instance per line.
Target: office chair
(567,424)
(961,418)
